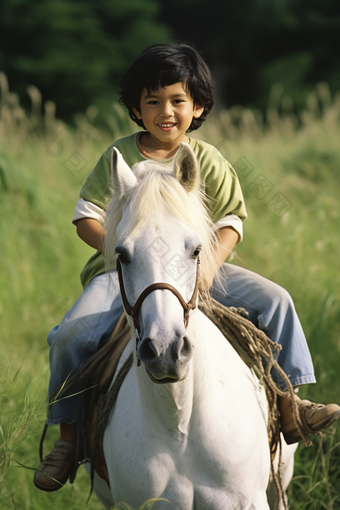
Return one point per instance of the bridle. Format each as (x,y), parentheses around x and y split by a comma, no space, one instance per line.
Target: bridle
(133,311)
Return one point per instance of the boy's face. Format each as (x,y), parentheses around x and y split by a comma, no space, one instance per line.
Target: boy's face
(167,114)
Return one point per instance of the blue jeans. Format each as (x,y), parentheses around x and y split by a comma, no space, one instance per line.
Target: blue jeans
(93,316)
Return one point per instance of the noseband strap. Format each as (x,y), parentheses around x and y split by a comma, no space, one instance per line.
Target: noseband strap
(133,311)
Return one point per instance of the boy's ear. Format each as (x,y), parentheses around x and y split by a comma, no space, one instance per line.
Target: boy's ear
(137,113)
(122,177)
(198,110)
(186,169)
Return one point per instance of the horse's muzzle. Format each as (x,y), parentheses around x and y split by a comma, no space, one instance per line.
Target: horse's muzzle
(168,365)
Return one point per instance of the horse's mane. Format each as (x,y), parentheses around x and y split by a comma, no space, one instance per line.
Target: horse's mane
(156,194)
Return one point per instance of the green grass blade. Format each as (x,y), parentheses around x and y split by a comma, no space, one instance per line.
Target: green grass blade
(29,468)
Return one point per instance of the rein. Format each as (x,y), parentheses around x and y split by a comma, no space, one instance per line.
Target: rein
(133,311)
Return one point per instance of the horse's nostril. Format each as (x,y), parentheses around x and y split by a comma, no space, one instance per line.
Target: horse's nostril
(147,351)
(187,348)
(182,350)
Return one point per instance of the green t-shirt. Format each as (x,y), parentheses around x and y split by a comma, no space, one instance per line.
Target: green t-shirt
(219,178)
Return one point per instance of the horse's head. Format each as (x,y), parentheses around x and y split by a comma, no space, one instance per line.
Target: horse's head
(157,226)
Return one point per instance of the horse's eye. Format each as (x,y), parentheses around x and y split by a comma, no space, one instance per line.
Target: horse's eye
(123,259)
(196,253)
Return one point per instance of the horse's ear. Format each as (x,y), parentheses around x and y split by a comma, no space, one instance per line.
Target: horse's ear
(122,177)
(186,168)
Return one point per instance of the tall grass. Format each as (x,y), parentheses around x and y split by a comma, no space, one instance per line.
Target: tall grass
(43,163)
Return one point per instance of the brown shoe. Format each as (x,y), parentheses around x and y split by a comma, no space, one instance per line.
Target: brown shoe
(57,465)
(314,418)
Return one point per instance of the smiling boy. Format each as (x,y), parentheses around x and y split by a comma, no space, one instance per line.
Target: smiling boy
(167,114)
(168,93)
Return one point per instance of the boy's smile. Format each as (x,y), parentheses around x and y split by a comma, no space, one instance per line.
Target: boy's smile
(167,114)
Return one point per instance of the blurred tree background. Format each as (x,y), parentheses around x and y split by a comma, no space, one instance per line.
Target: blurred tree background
(74,51)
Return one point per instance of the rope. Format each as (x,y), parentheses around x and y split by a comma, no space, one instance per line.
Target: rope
(258,351)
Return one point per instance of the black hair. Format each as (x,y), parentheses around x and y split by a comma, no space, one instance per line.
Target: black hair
(161,65)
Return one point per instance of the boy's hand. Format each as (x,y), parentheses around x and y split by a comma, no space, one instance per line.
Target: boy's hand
(227,240)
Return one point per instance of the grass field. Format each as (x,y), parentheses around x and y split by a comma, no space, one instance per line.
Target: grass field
(289,171)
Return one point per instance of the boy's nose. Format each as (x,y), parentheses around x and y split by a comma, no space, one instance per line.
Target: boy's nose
(166,110)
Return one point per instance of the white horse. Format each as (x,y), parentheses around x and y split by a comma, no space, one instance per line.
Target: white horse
(190,423)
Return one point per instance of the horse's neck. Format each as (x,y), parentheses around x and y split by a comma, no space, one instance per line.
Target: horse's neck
(171,404)
(174,404)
